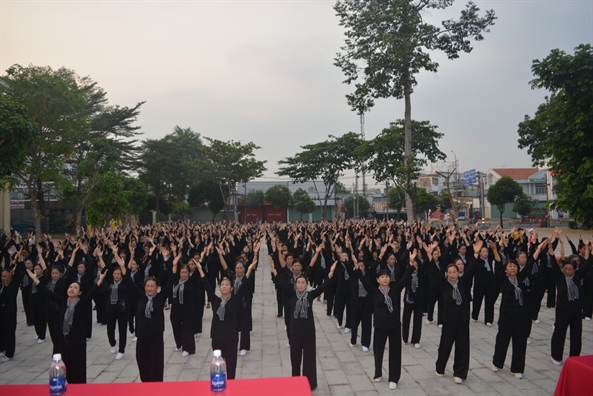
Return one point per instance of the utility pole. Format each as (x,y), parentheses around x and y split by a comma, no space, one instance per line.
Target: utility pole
(364,188)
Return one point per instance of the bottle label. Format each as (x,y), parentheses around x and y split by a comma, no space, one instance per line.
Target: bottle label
(218,381)
(57,386)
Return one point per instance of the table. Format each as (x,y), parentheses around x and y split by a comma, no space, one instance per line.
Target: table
(285,386)
(576,377)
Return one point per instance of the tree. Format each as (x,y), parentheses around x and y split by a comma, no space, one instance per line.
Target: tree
(325,160)
(386,158)
(17,133)
(504,191)
(425,201)
(396,199)
(303,202)
(55,100)
(523,205)
(446,201)
(207,193)
(279,196)
(363,204)
(559,135)
(341,188)
(229,163)
(388,42)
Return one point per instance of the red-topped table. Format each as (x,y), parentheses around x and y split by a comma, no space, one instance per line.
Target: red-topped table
(285,386)
(576,377)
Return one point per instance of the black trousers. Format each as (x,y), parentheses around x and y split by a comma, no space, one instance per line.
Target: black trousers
(454,333)
(549,286)
(513,327)
(150,356)
(329,296)
(487,291)
(131,318)
(362,313)
(280,301)
(122,320)
(54,324)
(8,333)
(303,349)
(88,320)
(100,302)
(435,296)
(183,331)
(229,353)
(587,298)
(26,296)
(564,319)
(245,339)
(415,308)
(74,358)
(287,319)
(395,352)
(39,320)
(344,302)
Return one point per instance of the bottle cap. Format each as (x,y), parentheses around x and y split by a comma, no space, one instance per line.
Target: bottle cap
(217,353)
(57,357)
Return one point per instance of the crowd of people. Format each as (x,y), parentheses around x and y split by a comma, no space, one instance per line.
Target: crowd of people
(365,272)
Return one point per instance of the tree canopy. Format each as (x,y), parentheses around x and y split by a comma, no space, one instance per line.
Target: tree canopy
(17,133)
(559,135)
(279,196)
(504,191)
(349,202)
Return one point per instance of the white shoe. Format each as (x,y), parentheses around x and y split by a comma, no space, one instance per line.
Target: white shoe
(2,354)
(556,362)
(185,353)
(351,345)
(440,326)
(88,339)
(5,359)
(518,375)
(288,344)
(119,356)
(243,352)
(457,380)
(365,349)
(587,318)
(132,334)
(537,321)
(489,324)
(495,369)
(378,379)
(113,349)
(528,341)
(339,326)
(36,337)
(196,336)
(177,349)
(134,339)
(346,330)
(284,327)
(439,375)
(41,341)
(428,321)
(417,346)
(474,321)
(392,385)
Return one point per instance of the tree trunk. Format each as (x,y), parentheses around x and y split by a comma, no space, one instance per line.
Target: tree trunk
(32,190)
(41,200)
(501,210)
(408,144)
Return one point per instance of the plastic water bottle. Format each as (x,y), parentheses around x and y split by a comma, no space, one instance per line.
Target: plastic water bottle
(57,376)
(217,372)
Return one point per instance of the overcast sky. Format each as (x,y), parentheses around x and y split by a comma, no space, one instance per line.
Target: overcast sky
(263,71)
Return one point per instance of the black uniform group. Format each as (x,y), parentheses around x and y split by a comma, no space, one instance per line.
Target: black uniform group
(366,271)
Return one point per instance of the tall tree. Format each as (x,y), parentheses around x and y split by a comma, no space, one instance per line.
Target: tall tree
(326,161)
(303,202)
(386,157)
(279,196)
(388,42)
(425,201)
(17,133)
(56,101)
(504,191)
(523,205)
(207,193)
(349,202)
(559,135)
(229,163)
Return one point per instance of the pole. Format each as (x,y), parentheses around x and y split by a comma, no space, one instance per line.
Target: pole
(245,204)
(364,190)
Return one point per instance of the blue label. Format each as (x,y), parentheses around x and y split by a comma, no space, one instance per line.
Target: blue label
(218,382)
(57,386)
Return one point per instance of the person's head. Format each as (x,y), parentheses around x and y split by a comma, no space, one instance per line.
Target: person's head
(582,248)
(116,274)
(146,248)
(301,284)
(56,272)
(383,278)
(521,258)
(246,249)
(511,268)
(38,270)
(289,259)
(569,266)
(74,290)
(360,255)
(462,250)
(123,254)
(225,286)
(391,259)
(184,273)
(436,253)
(151,286)
(343,257)
(29,264)
(6,276)
(192,266)
(361,265)
(81,268)
(484,253)
(460,264)
(240,268)
(134,266)
(297,267)
(452,273)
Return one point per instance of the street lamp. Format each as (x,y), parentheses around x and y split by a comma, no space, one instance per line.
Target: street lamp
(456,173)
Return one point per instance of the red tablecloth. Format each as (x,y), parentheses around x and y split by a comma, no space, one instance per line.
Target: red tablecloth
(285,386)
(576,377)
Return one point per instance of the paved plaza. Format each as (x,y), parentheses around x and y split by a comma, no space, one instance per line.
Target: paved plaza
(341,370)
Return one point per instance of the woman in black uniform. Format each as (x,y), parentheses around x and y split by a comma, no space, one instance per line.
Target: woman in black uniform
(119,303)
(183,308)
(72,332)
(52,309)
(302,325)
(37,300)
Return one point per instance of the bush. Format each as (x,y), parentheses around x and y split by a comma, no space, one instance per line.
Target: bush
(573,225)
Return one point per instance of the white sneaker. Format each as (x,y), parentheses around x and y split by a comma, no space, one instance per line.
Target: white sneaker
(177,349)
(439,375)
(339,326)
(346,330)
(243,352)
(134,339)
(474,321)
(587,318)
(378,379)
(185,353)
(428,321)
(365,349)
(528,341)
(518,375)
(196,336)
(36,337)
(119,356)
(351,345)
(5,359)
(495,369)
(2,354)
(88,339)
(489,324)
(556,362)
(41,341)
(392,385)
(440,326)
(113,349)
(284,327)
(132,334)
(417,346)
(457,380)
(537,321)
(288,344)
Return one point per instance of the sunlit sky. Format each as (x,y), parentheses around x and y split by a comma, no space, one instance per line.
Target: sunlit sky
(263,71)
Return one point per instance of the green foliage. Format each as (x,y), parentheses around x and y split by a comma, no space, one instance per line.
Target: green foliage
(445,202)
(279,196)
(341,188)
(363,205)
(559,134)
(396,198)
(523,205)
(114,199)
(303,202)
(255,198)
(208,193)
(326,160)
(426,201)
(504,191)
(17,133)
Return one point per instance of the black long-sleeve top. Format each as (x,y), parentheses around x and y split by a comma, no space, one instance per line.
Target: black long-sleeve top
(224,330)
(562,296)
(453,312)
(8,294)
(509,304)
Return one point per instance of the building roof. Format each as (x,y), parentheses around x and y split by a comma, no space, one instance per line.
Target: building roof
(516,173)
